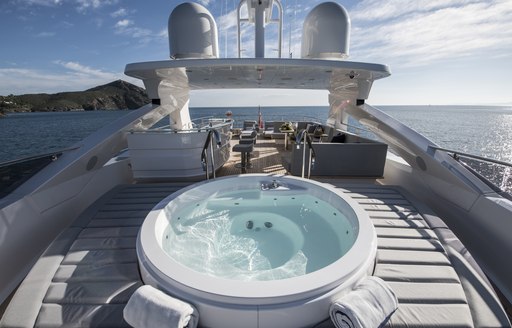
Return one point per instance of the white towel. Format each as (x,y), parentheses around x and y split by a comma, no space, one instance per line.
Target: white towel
(149,307)
(369,305)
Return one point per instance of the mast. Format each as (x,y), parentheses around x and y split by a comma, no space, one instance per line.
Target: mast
(260,14)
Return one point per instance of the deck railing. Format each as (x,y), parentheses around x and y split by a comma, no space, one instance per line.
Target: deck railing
(495,173)
(16,172)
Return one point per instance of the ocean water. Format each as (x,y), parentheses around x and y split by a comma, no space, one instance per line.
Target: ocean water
(479,130)
(27,134)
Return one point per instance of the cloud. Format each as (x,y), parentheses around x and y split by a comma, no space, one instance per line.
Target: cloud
(404,32)
(164,33)
(204,2)
(20,80)
(45,34)
(85,71)
(143,36)
(75,76)
(83,5)
(122,24)
(416,33)
(119,13)
(371,10)
(47,3)
(127,27)
(227,31)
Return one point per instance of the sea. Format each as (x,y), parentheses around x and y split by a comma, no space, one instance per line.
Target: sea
(480,130)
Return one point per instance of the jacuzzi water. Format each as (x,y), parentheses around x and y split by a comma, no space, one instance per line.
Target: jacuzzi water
(258,234)
(255,250)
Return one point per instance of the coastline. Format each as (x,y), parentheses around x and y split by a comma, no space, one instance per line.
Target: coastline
(55,110)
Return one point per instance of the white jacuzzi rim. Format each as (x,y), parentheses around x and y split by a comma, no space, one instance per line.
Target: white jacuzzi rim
(165,270)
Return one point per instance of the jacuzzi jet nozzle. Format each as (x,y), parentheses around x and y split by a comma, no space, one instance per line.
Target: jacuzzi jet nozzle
(271,185)
(249,224)
(268,225)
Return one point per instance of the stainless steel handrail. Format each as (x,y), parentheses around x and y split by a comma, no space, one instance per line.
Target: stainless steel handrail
(167,129)
(304,135)
(30,158)
(204,153)
(457,153)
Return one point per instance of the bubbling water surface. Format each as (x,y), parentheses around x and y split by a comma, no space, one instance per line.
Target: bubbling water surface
(257,235)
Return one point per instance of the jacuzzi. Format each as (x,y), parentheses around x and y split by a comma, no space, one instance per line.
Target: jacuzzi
(257,250)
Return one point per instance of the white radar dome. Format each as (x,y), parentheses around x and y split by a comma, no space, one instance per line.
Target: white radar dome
(326,32)
(192,32)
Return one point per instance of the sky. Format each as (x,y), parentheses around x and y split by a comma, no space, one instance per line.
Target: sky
(445,52)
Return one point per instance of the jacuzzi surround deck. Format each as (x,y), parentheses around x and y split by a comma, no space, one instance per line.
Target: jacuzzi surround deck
(90,271)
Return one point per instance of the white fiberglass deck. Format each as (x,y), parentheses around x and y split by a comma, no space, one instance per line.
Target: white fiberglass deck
(86,277)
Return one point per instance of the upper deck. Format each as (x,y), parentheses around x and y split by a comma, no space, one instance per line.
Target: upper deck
(88,274)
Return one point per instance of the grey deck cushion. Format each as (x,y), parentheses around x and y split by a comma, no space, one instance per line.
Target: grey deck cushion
(81,315)
(431,315)
(97,272)
(100,256)
(24,306)
(95,292)
(428,292)
(89,272)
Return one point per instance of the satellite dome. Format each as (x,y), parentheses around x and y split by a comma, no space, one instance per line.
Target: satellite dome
(326,32)
(192,32)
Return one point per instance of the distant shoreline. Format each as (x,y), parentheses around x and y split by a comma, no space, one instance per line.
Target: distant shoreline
(112,96)
(63,110)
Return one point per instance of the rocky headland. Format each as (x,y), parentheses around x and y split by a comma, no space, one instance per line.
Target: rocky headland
(115,95)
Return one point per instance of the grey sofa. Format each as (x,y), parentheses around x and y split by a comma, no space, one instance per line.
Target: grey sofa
(355,156)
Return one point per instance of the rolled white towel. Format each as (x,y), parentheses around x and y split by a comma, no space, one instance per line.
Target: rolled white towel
(149,307)
(369,305)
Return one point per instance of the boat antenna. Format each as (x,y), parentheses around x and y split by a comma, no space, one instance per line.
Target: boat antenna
(226,30)
(290,37)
